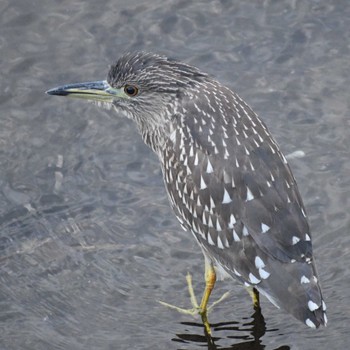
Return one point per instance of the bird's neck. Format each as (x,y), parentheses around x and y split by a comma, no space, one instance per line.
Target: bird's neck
(154,138)
(156,134)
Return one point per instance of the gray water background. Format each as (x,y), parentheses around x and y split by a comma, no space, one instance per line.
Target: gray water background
(88,243)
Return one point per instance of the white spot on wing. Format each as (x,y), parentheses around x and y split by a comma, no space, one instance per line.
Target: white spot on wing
(203,184)
(295,240)
(258,262)
(307,237)
(226,243)
(232,221)
(236,272)
(226,155)
(264,228)
(249,195)
(220,244)
(210,222)
(212,204)
(201,233)
(196,160)
(227,198)
(209,167)
(304,279)
(263,273)
(210,240)
(312,306)
(309,323)
(204,218)
(253,279)
(245,231)
(192,151)
(324,307)
(235,236)
(186,163)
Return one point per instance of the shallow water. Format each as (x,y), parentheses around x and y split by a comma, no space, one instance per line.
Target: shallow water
(88,243)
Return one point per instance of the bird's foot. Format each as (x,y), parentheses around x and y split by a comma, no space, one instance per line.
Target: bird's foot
(197,309)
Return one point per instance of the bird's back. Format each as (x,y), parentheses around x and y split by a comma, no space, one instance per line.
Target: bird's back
(231,186)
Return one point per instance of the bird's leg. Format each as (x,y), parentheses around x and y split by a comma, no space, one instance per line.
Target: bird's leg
(210,279)
(253,292)
(202,309)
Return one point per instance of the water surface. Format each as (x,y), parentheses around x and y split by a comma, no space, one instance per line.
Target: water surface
(88,243)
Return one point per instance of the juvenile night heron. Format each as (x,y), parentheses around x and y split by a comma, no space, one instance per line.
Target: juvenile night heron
(227,180)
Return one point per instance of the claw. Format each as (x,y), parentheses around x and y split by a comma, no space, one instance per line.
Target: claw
(192,312)
(203,308)
(223,297)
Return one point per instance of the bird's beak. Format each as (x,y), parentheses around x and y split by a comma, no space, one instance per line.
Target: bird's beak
(93,91)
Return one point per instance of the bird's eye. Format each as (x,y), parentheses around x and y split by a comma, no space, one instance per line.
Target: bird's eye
(131,90)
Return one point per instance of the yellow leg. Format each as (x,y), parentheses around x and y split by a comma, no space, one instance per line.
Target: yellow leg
(255,297)
(210,279)
(202,309)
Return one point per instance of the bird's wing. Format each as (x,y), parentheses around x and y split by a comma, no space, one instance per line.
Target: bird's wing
(231,186)
(233,182)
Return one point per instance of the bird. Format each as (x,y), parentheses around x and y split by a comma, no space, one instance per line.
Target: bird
(226,178)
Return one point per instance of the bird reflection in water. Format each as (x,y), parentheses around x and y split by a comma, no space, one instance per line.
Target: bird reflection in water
(245,336)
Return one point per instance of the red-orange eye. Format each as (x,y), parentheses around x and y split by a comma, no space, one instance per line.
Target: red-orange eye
(131,90)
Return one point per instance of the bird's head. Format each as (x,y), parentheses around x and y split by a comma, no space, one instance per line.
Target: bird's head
(143,86)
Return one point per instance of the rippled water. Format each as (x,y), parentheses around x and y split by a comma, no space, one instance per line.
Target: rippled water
(88,243)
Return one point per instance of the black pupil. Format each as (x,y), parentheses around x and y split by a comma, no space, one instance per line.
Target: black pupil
(131,90)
